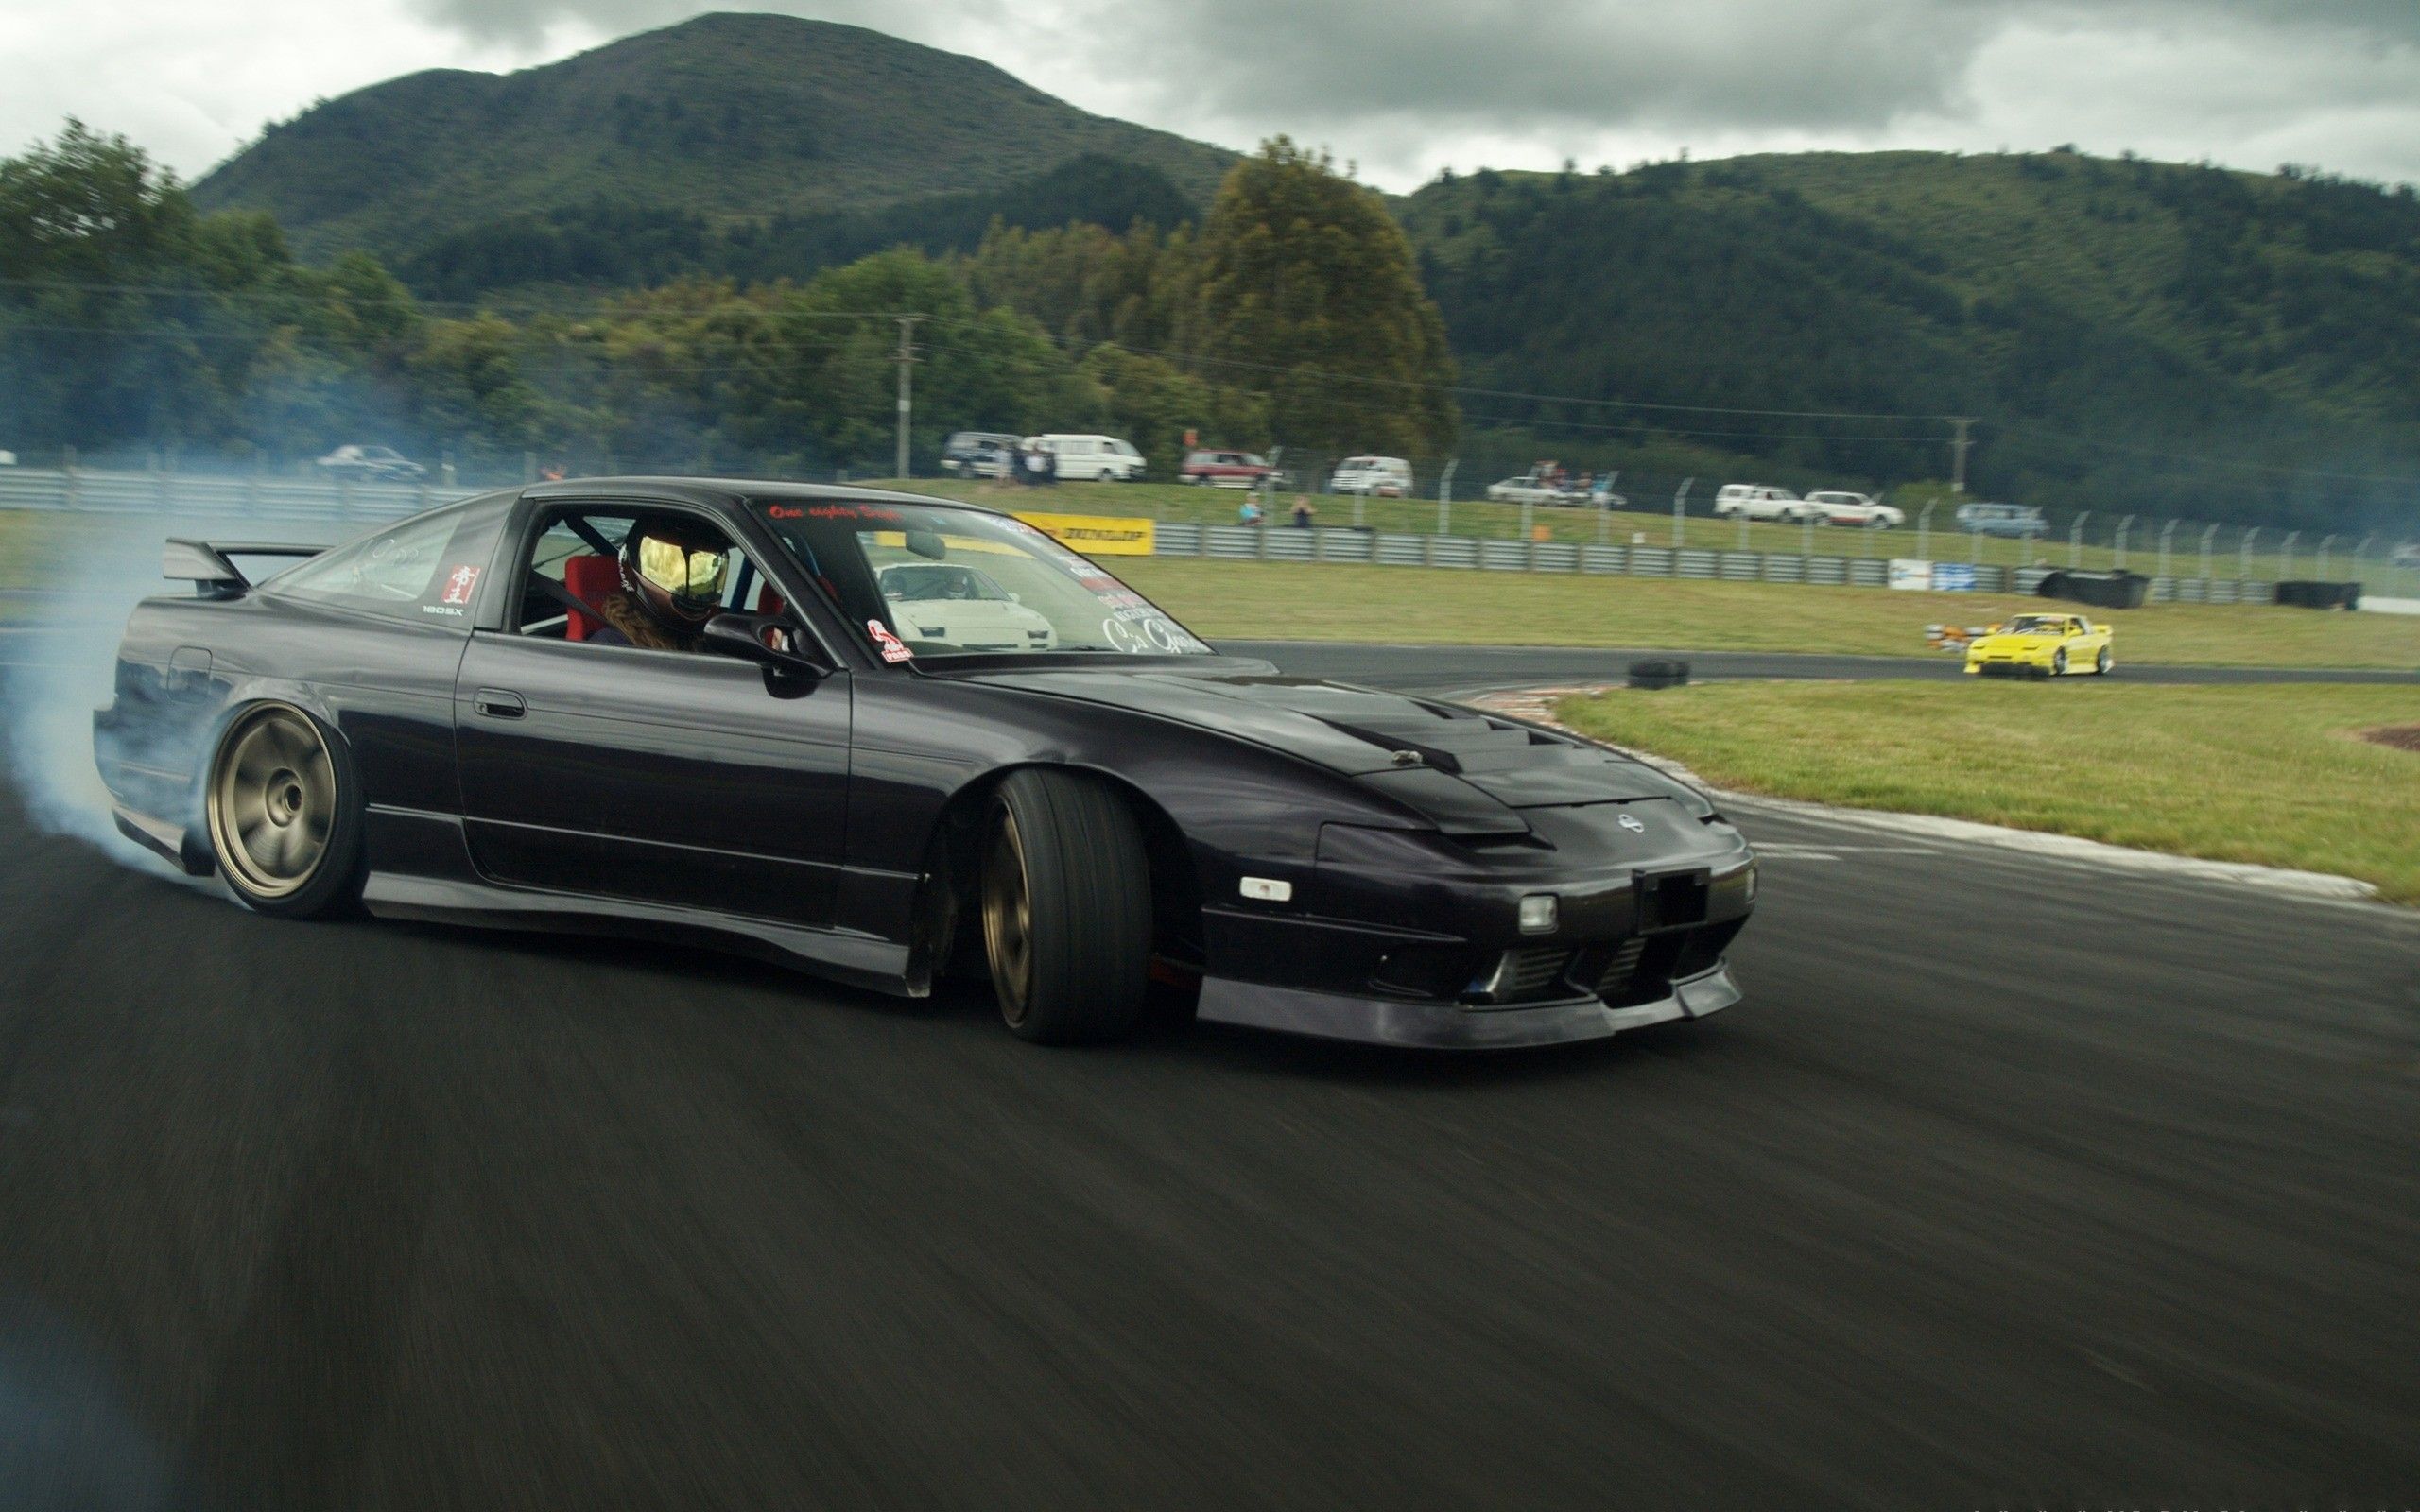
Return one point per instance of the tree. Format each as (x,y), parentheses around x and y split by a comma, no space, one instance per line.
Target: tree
(1307,292)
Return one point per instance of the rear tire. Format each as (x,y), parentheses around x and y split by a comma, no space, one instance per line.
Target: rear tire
(282,805)
(1066,908)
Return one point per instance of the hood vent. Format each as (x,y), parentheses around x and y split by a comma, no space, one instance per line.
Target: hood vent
(1453,741)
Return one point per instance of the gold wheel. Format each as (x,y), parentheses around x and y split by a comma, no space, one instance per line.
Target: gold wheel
(1008,919)
(272,802)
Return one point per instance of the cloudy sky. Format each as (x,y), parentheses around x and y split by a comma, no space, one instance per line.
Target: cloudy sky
(1400,88)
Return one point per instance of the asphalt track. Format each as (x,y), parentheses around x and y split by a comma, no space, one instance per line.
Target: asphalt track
(2011,1184)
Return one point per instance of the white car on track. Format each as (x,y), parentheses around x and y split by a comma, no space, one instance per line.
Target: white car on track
(372,464)
(1863,509)
(962,607)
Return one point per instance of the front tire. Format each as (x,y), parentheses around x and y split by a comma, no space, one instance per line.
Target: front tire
(2059,662)
(283,808)
(1066,908)
(2103,663)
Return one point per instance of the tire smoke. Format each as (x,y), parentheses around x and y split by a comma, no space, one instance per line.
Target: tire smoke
(58,642)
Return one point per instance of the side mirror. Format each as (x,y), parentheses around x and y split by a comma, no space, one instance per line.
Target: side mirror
(752,637)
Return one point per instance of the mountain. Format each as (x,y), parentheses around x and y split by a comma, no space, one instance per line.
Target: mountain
(612,245)
(724,116)
(2160,338)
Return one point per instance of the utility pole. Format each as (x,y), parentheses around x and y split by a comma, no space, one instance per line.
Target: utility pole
(907,384)
(1958,446)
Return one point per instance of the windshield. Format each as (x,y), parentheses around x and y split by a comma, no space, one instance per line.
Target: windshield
(889,566)
(2033,625)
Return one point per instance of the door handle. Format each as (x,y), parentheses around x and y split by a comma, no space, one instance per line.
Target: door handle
(496,703)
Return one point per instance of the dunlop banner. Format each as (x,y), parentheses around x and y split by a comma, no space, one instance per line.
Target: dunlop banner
(1095,535)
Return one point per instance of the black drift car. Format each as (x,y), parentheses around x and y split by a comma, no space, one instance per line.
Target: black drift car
(433,721)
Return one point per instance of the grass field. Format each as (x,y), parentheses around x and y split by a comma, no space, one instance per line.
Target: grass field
(1300,601)
(2272,775)
(1197,505)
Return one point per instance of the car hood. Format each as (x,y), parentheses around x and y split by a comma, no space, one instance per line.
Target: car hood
(1461,768)
(2030,640)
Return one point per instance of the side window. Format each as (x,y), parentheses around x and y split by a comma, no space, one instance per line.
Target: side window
(425,570)
(573,568)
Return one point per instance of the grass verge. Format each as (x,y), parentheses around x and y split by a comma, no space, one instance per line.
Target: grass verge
(1303,601)
(2273,775)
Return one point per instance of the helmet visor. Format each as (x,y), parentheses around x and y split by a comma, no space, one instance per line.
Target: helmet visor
(692,575)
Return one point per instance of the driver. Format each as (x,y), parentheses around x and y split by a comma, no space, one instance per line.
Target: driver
(673,570)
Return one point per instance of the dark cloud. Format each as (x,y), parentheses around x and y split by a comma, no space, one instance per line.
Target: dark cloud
(1395,81)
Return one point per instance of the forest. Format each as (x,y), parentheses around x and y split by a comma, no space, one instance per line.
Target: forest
(2173,340)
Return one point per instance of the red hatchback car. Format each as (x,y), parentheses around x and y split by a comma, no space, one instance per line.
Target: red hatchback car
(1230,470)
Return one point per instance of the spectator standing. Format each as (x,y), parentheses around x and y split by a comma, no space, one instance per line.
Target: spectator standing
(1302,511)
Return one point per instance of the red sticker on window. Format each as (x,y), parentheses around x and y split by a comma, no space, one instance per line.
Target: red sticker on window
(458,585)
(887,643)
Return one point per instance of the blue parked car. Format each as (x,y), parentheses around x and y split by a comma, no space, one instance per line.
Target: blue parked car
(2022,522)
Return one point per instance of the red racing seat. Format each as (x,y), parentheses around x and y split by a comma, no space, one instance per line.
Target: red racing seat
(592,580)
(768,600)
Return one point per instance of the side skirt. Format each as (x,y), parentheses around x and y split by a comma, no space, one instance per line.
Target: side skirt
(420,870)
(857,959)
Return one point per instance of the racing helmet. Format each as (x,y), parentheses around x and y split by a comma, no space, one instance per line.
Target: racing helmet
(674,568)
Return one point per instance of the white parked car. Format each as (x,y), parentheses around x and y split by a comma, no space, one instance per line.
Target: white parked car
(1531,489)
(1841,509)
(1538,487)
(1091,458)
(381,464)
(1756,500)
(962,609)
(1384,478)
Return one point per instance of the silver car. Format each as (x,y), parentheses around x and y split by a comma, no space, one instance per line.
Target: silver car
(382,464)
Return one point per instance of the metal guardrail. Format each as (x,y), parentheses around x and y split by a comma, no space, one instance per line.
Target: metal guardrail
(172,493)
(1325,543)
(340,503)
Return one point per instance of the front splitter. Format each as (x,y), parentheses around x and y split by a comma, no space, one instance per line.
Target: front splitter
(1454,1026)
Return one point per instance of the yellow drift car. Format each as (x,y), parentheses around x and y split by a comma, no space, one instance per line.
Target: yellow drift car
(2041,646)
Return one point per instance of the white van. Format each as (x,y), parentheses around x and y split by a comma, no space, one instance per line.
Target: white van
(1755,501)
(1387,477)
(1091,458)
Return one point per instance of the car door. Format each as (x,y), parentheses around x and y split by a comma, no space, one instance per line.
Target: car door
(686,779)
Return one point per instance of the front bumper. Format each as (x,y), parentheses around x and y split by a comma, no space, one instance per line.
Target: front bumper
(1455,1025)
(1416,938)
(2006,667)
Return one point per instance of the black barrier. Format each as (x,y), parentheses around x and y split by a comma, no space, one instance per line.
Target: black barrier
(2320,595)
(1659,672)
(2116,589)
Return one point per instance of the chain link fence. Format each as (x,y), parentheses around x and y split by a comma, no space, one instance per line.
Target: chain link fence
(2186,561)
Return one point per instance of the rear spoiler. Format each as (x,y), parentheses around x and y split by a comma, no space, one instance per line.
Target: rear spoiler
(205,564)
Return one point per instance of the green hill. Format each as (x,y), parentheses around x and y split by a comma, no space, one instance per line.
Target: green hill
(2159,338)
(723,116)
